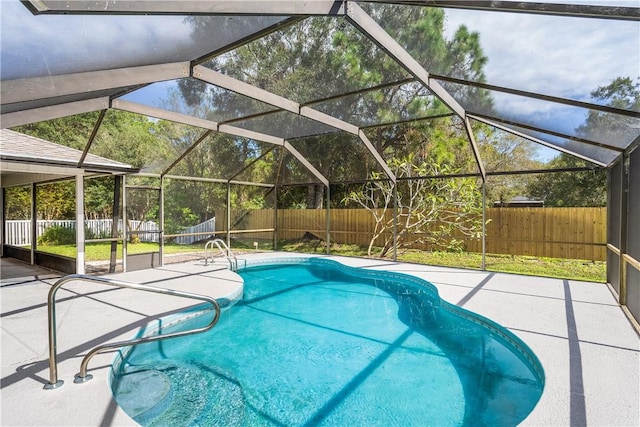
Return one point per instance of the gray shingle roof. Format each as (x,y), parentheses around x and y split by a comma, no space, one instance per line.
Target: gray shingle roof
(20,147)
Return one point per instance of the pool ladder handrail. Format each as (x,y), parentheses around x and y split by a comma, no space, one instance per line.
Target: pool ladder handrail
(224,249)
(82,376)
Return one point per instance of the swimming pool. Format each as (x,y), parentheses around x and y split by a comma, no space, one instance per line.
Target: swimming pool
(314,342)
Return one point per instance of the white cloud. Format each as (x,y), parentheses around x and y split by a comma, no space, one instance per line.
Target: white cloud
(559,56)
(66,43)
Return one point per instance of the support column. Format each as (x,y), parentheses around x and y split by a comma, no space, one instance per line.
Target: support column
(484,223)
(125,226)
(80,224)
(161,215)
(34,224)
(2,220)
(275,217)
(624,203)
(395,221)
(229,214)
(117,183)
(328,221)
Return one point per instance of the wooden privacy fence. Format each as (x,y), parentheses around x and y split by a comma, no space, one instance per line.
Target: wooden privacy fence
(574,233)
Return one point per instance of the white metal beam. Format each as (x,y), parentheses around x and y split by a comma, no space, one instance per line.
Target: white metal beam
(537,140)
(361,20)
(80,255)
(222,80)
(377,155)
(475,148)
(17,118)
(190,7)
(159,113)
(246,89)
(538,7)
(21,90)
(249,134)
(326,119)
(306,163)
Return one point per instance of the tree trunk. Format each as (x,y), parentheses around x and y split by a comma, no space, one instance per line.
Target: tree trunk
(315,196)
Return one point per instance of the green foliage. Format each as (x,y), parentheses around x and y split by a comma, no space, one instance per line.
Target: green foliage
(98,197)
(538,266)
(621,93)
(18,203)
(429,211)
(563,189)
(57,235)
(70,131)
(298,61)
(61,235)
(179,220)
(56,200)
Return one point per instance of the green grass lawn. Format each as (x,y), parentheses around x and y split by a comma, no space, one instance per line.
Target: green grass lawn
(102,250)
(592,271)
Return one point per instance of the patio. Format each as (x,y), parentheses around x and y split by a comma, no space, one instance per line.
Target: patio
(589,350)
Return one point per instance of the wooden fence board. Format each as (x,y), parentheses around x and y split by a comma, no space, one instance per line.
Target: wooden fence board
(550,232)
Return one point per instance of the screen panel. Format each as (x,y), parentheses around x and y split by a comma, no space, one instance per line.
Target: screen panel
(312,59)
(633,206)
(197,99)
(37,46)
(339,156)
(498,48)
(393,104)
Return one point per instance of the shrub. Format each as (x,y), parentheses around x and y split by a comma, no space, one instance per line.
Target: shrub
(60,235)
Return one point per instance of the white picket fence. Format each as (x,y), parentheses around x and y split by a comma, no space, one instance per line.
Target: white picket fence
(18,232)
(209,226)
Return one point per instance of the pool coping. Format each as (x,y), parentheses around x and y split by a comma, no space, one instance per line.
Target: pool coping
(589,351)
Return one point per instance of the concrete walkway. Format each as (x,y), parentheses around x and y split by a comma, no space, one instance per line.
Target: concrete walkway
(589,351)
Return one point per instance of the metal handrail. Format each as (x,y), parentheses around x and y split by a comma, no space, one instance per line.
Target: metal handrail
(222,246)
(82,376)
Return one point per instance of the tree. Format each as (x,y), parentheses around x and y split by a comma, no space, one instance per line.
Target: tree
(590,188)
(319,57)
(563,189)
(18,203)
(430,211)
(621,93)
(56,200)
(504,152)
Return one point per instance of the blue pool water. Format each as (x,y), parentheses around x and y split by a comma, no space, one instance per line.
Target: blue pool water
(318,343)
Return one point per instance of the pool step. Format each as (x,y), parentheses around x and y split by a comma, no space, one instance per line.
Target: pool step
(198,396)
(143,393)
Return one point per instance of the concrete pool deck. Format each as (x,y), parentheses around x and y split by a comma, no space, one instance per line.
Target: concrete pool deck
(588,349)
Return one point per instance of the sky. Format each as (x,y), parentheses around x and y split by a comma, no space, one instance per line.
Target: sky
(559,56)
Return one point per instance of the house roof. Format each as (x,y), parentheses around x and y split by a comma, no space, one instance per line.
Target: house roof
(25,158)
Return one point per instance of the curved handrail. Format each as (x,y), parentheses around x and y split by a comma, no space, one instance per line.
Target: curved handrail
(226,251)
(82,376)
